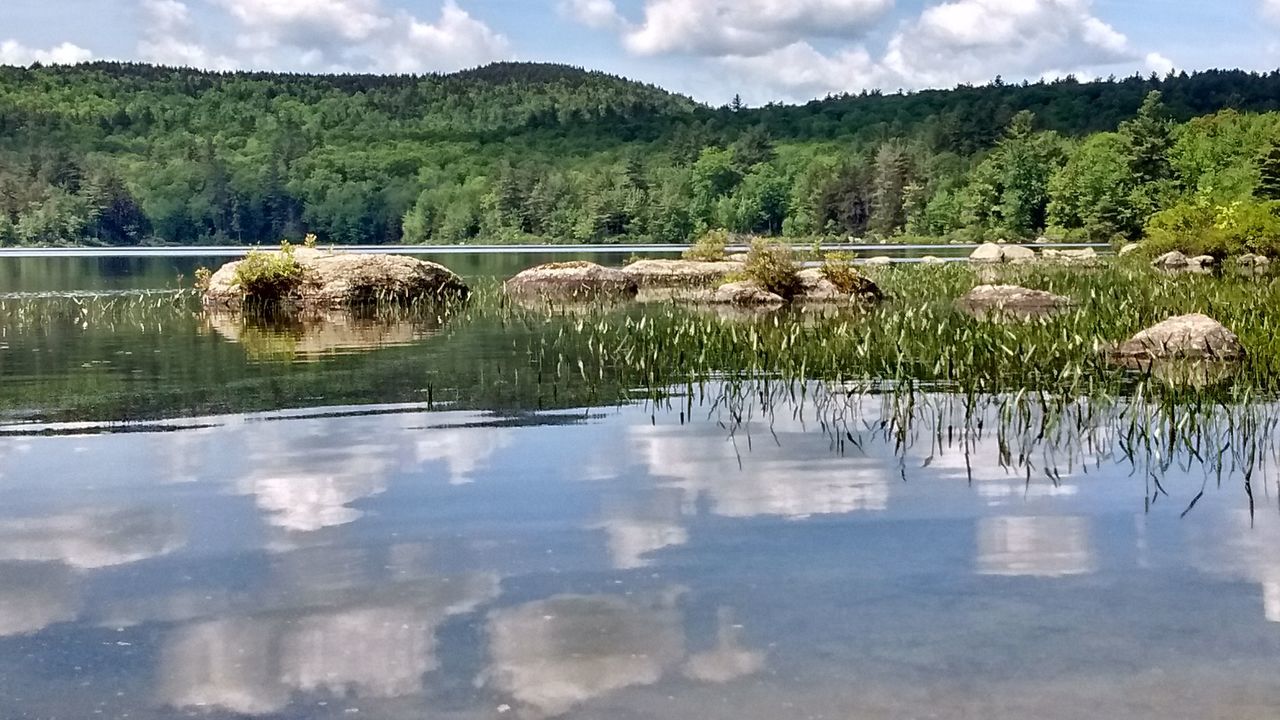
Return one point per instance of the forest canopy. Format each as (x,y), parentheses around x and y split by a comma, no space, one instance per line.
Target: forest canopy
(129,154)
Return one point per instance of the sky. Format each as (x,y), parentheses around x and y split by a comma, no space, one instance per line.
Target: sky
(761,50)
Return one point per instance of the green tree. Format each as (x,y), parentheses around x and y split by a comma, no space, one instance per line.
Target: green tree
(892,177)
(1093,192)
(1150,137)
(1269,172)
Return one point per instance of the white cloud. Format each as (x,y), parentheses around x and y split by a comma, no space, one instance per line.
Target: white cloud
(167,38)
(323,35)
(747,27)
(13,52)
(962,41)
(1271,10)
(598,14)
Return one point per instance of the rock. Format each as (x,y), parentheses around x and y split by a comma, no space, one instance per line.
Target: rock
(1018,254)
(1187,337)
(878,261)
(1172,260)
(1042,240)
(1085,256)
(572,280)
(1011,297)
(1253,261)
(816,287)
(988,253)
(1130,249)
(997,253)
(1203,261)
(747,292)
(336,279)
(680,273)
(931,260)
(737,258)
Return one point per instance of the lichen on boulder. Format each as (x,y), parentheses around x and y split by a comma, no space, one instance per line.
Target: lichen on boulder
(329,279)
(1186,337)
(680,273)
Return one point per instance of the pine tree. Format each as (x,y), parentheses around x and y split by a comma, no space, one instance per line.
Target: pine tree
(1150,136)
(1269,185)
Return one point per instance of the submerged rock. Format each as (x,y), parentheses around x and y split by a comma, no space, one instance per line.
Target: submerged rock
(993,253)
(572,280)
(329,279)
(1187,337)
(1013,299)
(680,273)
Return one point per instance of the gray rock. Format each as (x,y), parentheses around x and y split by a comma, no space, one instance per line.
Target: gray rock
(572,280)
(680,273)
(932,260)
(1130,249)
(878,261)
(1012,297)
(996,253)
(746,292)
(1172,260)
(1187,337)
(331,279)
(1083,256)
(1203,261)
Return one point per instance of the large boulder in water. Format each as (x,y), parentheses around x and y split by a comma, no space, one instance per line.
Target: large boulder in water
(994,254)
(572,280)
(331,279)
(1187,337)
(680,273)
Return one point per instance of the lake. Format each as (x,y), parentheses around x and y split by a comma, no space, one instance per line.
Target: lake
(473,514)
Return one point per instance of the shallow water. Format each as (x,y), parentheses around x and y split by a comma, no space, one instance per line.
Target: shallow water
(364,521)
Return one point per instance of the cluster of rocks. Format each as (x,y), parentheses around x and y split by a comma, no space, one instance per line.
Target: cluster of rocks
(996,254)
(690,280)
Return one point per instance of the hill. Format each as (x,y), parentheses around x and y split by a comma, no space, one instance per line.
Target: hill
(130,153)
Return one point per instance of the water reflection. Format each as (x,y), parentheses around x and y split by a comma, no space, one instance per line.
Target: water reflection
(91,539)
(554,654)
(312,336)
(703,464)
(1034,546)
(373,640)
(35,596)
(633,563)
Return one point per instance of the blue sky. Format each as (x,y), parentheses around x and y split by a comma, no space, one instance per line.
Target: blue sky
(786,50)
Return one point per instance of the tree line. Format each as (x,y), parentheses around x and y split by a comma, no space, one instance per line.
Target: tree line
(128,154)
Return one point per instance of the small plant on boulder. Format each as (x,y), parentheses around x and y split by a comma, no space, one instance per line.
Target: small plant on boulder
(773,267)
(838,267)
(269,275)
(710,247)
(203,276)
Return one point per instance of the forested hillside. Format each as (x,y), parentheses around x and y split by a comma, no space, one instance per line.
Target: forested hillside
(128,154)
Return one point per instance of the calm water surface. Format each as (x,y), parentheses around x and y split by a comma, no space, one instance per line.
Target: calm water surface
(360,519)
